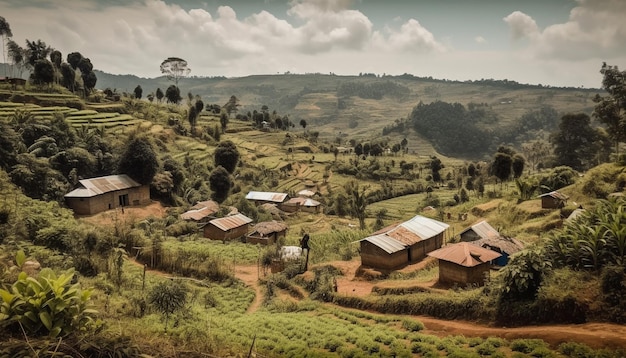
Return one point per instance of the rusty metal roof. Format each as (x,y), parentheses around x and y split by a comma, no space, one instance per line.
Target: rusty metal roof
(266,196)
(197,214)
(388,244)
(416,229)
(230,222)
(464,254)
(101,185)
(556,195)
(483,230)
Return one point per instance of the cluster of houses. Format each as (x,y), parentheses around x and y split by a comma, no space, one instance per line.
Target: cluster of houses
(468,261)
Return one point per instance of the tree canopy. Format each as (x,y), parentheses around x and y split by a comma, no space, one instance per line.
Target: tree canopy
(175,68)
(226,155)
(139,160)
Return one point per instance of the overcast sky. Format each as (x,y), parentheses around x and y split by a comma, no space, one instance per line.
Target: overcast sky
(548,42)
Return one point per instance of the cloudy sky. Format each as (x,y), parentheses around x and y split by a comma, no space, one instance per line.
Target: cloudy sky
(548,42)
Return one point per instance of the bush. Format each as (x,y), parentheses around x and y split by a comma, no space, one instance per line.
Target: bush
(47,305)
(412,326)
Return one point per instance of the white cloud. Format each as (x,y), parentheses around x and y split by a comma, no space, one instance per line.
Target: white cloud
(595,30)
(480,40)
(521,25)
(412,37)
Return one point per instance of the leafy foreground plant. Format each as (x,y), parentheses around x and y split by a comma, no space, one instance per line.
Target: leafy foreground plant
(47,305)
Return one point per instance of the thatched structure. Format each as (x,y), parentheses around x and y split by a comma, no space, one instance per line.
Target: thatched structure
(267,232)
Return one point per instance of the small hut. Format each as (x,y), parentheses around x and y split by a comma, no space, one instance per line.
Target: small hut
(553,200)
(481,230)
(267,232)
(464,263)
(301,204)
(203,211)
(227,228)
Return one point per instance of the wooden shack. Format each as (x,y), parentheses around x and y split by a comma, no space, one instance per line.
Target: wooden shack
(227,228)
(383,252)
(202,212)
(464,263)
(553,200)
(267,232)
(104,193)
(403,243)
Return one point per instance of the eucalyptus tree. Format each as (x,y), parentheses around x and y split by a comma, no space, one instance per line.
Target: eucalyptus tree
(5,32)
(175,68)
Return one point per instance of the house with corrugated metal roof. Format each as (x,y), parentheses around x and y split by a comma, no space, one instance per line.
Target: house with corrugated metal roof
(227,228)
(301,204)
(553,200)
(403,243)
(464,263)
(264,197)
(104,193)
(484,235)
(202,211)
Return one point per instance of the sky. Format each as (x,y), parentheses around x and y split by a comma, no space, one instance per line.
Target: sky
(560,43)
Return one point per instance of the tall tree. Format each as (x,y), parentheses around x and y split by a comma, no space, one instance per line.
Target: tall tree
(138,92)
(226,155)
(232,105)
(220,184)
(43,72)
(357,201)
(36,51)
(303,124)
(435,167)
(501,166)
(192,116)
(139,161)
(17,55)
(172,94)
(611,110)
(73,58)
(159,95)
(175,68)
(5,32)
(56,58)
(574,142)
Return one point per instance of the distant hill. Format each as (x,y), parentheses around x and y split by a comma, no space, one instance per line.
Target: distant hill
(360,107)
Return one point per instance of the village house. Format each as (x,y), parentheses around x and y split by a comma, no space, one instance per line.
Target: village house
(262,197)
(267,232)
(403,243)
(203,211)
(553,200)
(227,228)
(464,263)
(484,235)
(104,193)
(301,204)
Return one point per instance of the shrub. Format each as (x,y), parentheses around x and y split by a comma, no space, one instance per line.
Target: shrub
(412,326)
(527,345)
(47,305)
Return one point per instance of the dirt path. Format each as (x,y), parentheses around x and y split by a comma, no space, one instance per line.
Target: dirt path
(250,276)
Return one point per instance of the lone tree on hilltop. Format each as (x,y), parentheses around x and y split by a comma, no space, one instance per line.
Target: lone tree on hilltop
(175,68)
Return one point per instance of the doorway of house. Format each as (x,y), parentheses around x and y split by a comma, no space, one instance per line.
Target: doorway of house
(123,200)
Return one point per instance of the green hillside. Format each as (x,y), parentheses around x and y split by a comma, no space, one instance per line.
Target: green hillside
(160,288)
